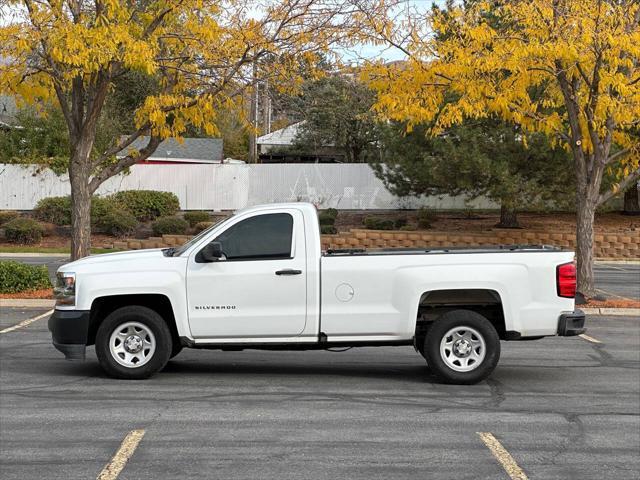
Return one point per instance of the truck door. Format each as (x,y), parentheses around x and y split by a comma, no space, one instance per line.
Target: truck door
(258,288)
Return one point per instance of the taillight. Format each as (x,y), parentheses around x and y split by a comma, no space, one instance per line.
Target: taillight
(566,280)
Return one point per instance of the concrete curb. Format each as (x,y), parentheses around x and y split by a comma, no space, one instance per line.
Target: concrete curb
(27,302)
(618,261)
(629,312)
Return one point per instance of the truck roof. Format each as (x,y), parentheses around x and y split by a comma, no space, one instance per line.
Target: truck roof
(270,206)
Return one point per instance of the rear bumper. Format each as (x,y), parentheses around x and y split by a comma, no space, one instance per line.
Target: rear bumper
(571,324)
(69,332)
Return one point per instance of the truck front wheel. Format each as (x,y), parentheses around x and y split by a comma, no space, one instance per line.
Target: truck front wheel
(133,343)
(462,347)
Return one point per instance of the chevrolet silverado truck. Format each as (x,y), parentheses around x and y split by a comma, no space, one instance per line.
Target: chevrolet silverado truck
(259,280)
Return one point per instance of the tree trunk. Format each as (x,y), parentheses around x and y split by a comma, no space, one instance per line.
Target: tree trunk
(355,155)
(79,175)
(584,245)
(253,107)
(508,217)
(631,201)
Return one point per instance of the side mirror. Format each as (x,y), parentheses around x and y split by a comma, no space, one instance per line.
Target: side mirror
(212,252)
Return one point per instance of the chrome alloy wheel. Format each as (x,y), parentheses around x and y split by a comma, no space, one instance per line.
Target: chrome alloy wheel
(462,349)
(132,344)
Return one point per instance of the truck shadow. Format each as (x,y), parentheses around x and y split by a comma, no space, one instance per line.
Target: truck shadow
(404,373)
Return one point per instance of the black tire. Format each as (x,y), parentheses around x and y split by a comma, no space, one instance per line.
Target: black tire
(444,324)
(419,346)
(148,318)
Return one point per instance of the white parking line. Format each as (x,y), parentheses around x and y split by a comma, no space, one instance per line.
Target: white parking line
(500,453)
(112,469)
(589,339)
(26,322)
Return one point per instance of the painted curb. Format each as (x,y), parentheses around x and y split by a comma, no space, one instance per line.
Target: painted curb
(27,302)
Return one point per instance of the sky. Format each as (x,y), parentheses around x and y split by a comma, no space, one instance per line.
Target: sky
(389,53)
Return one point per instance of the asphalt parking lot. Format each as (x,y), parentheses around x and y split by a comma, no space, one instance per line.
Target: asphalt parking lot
(561,407)
(618,280)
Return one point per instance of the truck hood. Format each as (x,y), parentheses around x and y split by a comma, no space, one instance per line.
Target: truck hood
(130,257)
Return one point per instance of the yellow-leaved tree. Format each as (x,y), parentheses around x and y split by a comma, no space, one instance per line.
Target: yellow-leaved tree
(568,68)
(199,53)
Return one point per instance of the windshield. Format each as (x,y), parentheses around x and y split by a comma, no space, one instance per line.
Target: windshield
(184,247)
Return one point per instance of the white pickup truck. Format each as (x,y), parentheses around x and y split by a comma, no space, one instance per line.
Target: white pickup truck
(260,280)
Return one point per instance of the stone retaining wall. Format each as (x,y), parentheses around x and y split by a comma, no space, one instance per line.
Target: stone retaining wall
(614,245)
(626,245)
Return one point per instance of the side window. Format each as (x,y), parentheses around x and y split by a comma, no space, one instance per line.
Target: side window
(260,237)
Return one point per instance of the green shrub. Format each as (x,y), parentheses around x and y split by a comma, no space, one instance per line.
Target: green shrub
(328,229)
(147,204)
(331,212)
(426,217)
(24,231)
(118,223)
(399,223)
(48,229)
(170,225)
(19,277)
(375,223)
(100,207)
(370,222)
(200,226)
(408,228)
(6,215)
(327,217)
(56,210)
(386,225)
(196,217)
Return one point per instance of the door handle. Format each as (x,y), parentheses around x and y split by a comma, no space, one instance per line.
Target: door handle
(288,271)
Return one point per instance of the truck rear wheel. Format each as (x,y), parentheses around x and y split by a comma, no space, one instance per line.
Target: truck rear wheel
(462,347)
(133,343)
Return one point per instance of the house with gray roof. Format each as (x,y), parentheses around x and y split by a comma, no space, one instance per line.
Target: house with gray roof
(279,147)
(188,150)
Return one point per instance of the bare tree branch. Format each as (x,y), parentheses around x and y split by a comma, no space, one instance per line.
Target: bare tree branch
(123,163)
(619,154)
(622,186)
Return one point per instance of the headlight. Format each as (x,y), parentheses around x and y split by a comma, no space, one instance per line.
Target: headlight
(65,289)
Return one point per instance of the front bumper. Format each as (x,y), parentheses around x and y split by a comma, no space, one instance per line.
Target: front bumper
(571,324)
(69,332)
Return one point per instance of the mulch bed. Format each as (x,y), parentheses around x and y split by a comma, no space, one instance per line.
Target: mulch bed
(62,241)
(611,303)
(45,293)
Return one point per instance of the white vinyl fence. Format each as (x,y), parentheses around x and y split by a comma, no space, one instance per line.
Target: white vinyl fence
(230,187)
